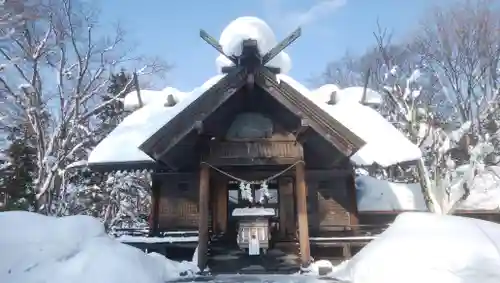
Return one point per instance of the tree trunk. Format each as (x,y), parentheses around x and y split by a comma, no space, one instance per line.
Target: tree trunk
(425,183)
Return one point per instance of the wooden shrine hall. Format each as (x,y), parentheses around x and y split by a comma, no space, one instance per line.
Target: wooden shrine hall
(252,155)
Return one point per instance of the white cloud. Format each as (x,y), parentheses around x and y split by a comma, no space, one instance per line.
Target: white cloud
(279,11)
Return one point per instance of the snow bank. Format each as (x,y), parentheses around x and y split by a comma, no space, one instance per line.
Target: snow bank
(122,144)
(250,28)
(381,195)
(385,145)
(424,247)
(36,248)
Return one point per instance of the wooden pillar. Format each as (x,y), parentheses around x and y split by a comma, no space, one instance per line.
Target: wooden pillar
(203,211)
(155,205)
(301,193)
(286,214)
(213,207)
(221,205)
(353,212)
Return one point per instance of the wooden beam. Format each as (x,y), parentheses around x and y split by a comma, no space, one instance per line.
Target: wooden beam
(155,205)
(301,194)
(203,216)
(244,173)
(353,203)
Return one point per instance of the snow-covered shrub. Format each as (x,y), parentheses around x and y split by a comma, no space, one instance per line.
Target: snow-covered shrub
(120,200)
(447,144)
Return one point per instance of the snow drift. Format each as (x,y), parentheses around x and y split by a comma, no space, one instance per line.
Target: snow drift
(423,247)
(36,248)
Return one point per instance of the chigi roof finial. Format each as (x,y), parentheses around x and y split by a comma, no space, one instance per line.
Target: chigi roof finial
(250,57)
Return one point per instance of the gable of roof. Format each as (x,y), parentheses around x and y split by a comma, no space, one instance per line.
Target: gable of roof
(323,123)
(185,122)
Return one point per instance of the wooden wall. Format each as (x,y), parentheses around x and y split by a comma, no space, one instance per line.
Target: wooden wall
(178,207)
(330,205)
(329,202)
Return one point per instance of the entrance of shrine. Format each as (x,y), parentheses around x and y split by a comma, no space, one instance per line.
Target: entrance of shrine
(237,201)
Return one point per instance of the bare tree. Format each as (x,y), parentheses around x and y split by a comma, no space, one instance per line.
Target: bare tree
(459,50)
(441,89)
(11,16)
(56,67)
(460,43)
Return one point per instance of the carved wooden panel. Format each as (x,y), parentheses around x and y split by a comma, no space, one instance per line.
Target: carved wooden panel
(255,149)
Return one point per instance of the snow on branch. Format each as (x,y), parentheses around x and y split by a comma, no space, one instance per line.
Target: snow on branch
(57,68)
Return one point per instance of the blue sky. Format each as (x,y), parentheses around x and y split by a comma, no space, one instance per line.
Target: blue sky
(170,29)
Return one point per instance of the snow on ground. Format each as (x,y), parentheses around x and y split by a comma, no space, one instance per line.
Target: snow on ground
(385,145)
(122,144)
(36,248)
(423,247)
(250,28)
(380,195)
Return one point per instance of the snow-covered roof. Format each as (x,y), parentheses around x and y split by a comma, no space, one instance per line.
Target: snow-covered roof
(122,144)
(381,195)
(385,145)
(349,94)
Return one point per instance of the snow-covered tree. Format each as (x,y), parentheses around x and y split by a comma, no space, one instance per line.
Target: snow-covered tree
(443,94)
(120,199)
(12,15)
(57,66)
(16,175)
